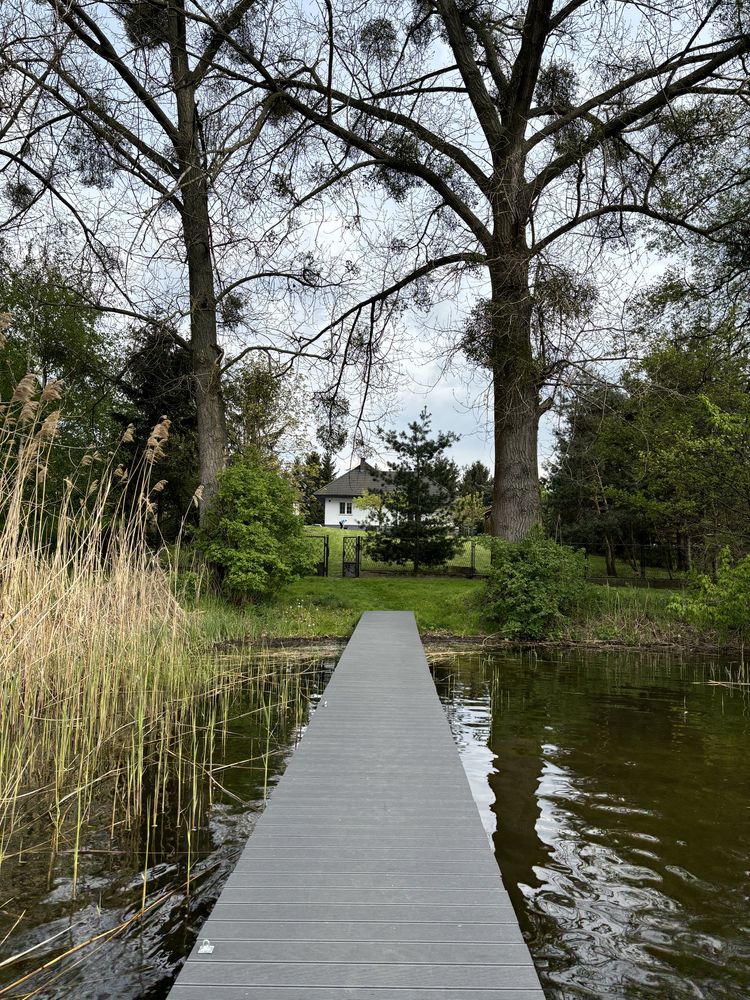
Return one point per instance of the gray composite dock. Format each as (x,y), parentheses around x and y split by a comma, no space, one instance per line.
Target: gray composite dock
(369,876)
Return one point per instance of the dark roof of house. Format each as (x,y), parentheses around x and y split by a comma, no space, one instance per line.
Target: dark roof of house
(363,478)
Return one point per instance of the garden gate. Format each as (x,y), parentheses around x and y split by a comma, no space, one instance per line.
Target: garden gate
(351,557)
(321,564)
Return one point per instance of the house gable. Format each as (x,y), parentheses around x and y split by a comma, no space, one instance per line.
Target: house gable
(363,478)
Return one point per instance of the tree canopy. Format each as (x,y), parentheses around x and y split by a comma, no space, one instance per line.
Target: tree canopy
(664,458)
(521,143)
(279,183)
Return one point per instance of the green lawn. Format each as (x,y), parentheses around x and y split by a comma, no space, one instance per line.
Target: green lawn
(319,607)
(597,566)
(336,536)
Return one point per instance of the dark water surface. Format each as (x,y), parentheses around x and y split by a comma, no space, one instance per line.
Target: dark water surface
(617,793)
(197,842)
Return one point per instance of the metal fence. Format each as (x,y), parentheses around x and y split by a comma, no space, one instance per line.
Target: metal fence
(472,558)
(648,565)
(348,555)
(354,558)
(321,545)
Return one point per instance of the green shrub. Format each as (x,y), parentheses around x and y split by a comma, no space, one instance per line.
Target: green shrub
(534,587)
(723,603)
(252,537)
(187,585)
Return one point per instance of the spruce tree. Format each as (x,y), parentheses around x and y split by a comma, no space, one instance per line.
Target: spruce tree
(415,531)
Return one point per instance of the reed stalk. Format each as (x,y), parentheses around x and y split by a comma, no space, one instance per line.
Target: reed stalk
(109,697)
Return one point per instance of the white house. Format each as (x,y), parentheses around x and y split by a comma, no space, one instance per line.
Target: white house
(338,496)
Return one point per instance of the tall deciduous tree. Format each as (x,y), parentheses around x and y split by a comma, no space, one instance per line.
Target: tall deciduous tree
(509,138)
(128,122)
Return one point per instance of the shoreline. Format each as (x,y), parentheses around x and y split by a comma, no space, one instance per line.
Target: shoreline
(434,642)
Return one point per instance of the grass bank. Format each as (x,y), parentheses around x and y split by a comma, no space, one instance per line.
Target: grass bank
(329,608)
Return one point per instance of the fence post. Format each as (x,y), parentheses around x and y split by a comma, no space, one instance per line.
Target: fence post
(473,568)
(321,567)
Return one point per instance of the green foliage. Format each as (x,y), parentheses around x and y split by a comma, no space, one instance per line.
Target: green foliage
(425,544)
(55,334)
(447,475)
(265,410)
(331,411)
(664,459)
(467,512)
(414,530)
(534,587)
(309,473)
(477,479)
(158,383)
(252,537)
(722,603)
(376,506)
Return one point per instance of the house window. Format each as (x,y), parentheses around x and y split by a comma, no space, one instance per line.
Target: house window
(345,508)
(348,508)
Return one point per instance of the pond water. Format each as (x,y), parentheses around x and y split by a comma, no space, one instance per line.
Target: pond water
(97,942)
(617,793)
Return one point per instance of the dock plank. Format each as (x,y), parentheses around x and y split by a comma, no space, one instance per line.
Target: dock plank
(369,876)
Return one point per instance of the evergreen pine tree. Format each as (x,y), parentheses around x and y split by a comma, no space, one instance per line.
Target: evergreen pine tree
(415,531)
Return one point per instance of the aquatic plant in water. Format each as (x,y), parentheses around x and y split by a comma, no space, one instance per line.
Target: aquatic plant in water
(110,704)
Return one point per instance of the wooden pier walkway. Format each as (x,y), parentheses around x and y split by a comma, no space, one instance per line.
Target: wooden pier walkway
(369,876)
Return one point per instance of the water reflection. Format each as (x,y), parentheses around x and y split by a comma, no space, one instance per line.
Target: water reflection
(618,794)
(100,943)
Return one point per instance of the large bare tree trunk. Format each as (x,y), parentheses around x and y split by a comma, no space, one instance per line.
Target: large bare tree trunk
(196,224)
(516,504)
(515,501)
(212,431)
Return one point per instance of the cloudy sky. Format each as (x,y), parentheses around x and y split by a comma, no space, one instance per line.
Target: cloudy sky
(449,402)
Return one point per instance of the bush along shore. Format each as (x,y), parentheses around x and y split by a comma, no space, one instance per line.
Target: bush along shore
(536,595)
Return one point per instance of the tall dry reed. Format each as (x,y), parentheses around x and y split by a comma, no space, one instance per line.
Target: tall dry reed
(100,667)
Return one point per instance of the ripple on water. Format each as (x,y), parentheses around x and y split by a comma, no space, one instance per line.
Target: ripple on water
(621,820)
